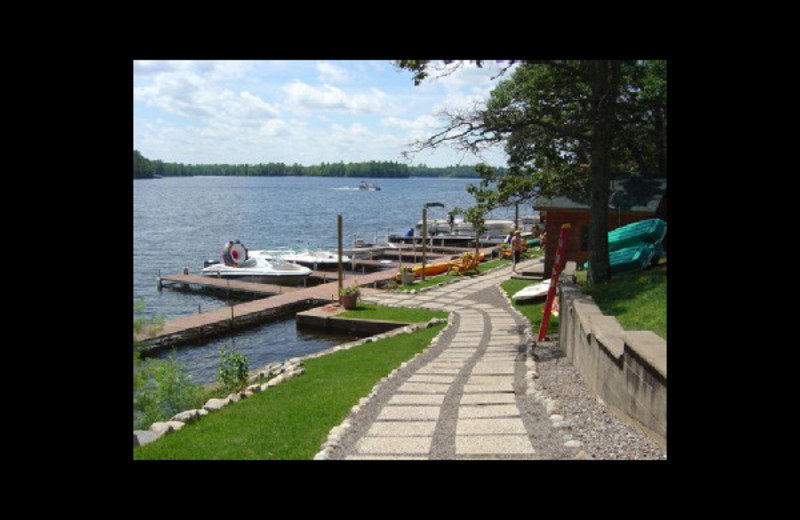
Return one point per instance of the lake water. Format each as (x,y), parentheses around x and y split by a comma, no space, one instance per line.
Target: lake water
(180,222)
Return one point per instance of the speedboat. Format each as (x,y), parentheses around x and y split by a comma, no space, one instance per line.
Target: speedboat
(362,249)
(494,228)
(314,259)
(259,269)
(237,263)
(368,186)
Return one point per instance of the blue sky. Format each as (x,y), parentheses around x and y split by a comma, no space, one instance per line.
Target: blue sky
(306,112)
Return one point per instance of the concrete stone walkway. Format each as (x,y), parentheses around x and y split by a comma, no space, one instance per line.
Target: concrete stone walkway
(461,400)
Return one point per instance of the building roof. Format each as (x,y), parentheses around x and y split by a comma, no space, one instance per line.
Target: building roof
(634,193)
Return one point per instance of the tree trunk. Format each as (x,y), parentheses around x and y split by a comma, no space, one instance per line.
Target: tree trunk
(605,82)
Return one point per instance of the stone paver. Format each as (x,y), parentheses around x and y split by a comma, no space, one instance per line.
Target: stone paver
(489,410)
(493,445)
(409,413)
(401,429)
(395,445)
(488,398)
(405,399)
(470,384)
(493,426)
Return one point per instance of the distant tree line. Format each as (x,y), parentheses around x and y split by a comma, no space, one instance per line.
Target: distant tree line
(144,168)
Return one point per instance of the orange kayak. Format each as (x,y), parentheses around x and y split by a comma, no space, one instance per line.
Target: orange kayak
(430,269)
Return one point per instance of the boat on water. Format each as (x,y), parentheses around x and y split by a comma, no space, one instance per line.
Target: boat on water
(494,228)
(316,259)
(364,185)
(458,227)
(362,249)
(261,270)
(238,264)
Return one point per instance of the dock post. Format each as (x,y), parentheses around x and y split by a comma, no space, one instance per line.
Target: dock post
(424,234)
(339,225)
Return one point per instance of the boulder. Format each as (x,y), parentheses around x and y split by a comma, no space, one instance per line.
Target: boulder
(215,404)
(142,437)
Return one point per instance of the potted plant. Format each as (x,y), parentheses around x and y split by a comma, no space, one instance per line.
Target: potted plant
(406,276)
(348,296)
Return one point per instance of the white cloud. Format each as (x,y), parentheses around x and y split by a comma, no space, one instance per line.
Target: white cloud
(306,112)
(195,91)
(329,73)
(303,98)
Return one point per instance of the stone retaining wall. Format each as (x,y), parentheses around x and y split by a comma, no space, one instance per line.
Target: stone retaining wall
(626,369)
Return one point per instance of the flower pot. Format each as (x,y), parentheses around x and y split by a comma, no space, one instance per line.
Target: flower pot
(407,278)
(348,301)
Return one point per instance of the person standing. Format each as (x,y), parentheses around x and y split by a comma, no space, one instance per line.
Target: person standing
(517,247)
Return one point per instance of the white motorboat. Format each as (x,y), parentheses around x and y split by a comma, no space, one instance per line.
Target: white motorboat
(495,228)
(361,249)
(237,263)
(368,186)
(314,259)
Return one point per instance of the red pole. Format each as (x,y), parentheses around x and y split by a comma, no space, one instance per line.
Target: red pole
(558,264)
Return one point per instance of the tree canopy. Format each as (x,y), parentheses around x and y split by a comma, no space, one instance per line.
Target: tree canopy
(146,168)
(567,126)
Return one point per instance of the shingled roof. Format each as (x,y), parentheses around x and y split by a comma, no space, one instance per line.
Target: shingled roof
(632,193)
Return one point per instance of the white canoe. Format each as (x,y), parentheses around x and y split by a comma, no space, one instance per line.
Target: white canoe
(531,292)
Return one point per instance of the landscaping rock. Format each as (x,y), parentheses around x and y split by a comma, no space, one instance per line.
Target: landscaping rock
(142,437)
(160,428)
(215,404)
(187,416)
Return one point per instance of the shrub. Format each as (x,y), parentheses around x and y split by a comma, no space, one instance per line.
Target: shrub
(353,289)
(232,370)
(162,389)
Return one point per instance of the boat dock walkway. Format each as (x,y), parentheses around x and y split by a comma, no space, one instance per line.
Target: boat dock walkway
(225,284)
(273,301)
(288,301)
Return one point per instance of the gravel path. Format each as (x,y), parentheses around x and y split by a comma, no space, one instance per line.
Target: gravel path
(473,394)
(601,433)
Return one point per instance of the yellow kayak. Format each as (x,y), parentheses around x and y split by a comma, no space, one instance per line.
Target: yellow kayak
(430,269)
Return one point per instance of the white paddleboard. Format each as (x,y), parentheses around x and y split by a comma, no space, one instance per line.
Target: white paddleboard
(531,292)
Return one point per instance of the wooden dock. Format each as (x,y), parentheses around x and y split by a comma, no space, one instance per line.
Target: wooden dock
(273,301)
(223,284)
(285,303)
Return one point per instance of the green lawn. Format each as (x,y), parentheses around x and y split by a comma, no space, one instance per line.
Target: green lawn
(532,311)
(371,311)
(637,300)
(291,420)
(434,280)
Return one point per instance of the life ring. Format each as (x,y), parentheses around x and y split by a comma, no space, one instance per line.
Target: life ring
(234,253)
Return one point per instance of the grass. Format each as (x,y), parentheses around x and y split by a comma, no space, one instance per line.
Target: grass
(637,300)
(291,420)
(371,311)
(531,310)
(433,280)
